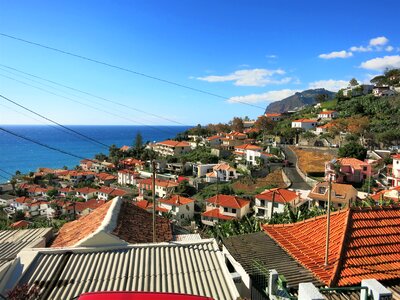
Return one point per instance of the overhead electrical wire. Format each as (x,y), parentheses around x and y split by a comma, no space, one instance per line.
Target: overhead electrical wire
(84,104)
(96,96)
(8,173)
(54,122)
(40,143)
(126,70)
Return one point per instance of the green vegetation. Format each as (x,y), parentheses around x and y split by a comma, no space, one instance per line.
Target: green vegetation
(353,149)
(201,154)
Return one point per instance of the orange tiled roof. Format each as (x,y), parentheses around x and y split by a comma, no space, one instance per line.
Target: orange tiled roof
(91,204)
(146,205)
(248,147)
(223,166)
(353,162)
(214,137)
(72,232)
(112,191)
(162,183)
(20,224)
(305,121)
(364,243)
(327,112)
(105,176)
(228,201)
(214,213)
(171,143)
(86,190)
(270,115)
(396,156)
(176,200)
(281,195)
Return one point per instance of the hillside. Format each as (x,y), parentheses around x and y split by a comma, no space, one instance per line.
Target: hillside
(297,100)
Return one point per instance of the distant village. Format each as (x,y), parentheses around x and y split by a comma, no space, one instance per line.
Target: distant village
(240,209)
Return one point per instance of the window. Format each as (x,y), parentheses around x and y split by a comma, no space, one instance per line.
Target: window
(225,209)
(234,210)
(365,168)
(262,202)
(276,205)
(321,190)
(182,216)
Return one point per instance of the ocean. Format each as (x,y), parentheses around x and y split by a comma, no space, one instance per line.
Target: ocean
(25,156)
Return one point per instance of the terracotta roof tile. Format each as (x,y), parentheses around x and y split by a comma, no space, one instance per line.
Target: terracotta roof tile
(353,162)
(364,243)
(176,200)
(72,232)
(228,201)
(171,143)
(214,213)
(281,195)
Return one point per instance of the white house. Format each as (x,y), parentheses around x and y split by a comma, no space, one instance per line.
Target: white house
(380,91)
(169,148)
(200,170)
(328,114)
(86,193)
(221,172)
(126,177)
(274,116)
(162,188)
(181,208)
(305,124)
(273,201)
(394,175)
(106,193)
(252,157)
(224,207)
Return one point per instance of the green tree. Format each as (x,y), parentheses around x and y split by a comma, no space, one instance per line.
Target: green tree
(353,82)
(353,149)
(237,124)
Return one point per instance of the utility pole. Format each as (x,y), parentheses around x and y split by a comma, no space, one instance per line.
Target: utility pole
(153,194)
(328,219)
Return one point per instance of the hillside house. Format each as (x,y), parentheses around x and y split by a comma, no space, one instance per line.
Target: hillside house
(233,139)
(132,164)
(105,178)
(274,116)
(107,193)
(351,170)
(358,90)
(171,148)
(162,188)
(224,207)
(394,171)
(128,177)
(381,91)
(181,208)
(86,193)
(273,201)
(221,172)
(200,170)
(306,124)
(342,195)
(215,140)
(328,114)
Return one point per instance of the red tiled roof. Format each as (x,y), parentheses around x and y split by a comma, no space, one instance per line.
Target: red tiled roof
(248,147)
(270,115)
(91,204)
(20,224)
(281,195)
(396,156)
(162,183)
(146,205)
(327,112)
(112,191)
(223,166)
(23,200)
(86,190)
(214,137)
(353,162)
(364,243)
(171,143)
(125,148)
(214,213)
(228,201)
(105,176)
(305,121)
(176,200)
(72,232)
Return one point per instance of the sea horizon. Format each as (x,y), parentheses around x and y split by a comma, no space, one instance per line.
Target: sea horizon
(17,154)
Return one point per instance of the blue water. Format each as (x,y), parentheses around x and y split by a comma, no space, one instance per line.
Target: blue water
(25,156)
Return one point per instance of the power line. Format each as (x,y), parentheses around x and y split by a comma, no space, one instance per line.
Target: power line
(8,173)
(84,104)
(40,143)
(54,122)
(96,96)
(127,70)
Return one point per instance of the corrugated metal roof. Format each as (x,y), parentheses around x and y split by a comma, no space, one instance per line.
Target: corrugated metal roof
(188,268)
(187,237)
(13,241)
(249,249)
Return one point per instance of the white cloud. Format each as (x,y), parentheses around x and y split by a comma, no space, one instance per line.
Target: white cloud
(389,48)
(264,97)
(272,56)
(381,63)
(378,41)
(330,84)
(336,54)
(361,49)
(252,77)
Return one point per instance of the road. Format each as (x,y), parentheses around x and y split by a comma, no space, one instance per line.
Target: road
(291,172)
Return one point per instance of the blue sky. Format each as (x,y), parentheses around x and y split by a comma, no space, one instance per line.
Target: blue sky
(247,51)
